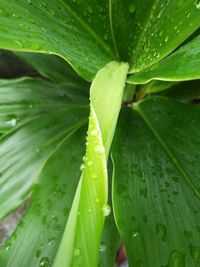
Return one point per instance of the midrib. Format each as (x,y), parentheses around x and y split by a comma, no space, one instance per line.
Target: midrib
(89,30)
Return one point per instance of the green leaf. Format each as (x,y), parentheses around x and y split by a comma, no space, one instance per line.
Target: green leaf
(156,194)
(184,64)
(78,31)
(110,241)
(37,238)
(82,236)
(35,117)
(25,99)
(146,31)
(55,69)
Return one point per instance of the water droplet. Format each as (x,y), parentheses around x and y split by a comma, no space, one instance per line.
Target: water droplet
(161,231)
(44,262)
(89,163)
(77,252)
(100,149)
(38,253)
(176,259)
(94,132)
(51,241)
(197,4)
(132,7)
(106,210)
(134,234)
(166,38)
(8,245)
(12,122)
(195,252)
(82,167)
(102,248)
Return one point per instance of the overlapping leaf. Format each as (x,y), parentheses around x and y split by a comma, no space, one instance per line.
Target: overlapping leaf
(146,31)
(182,65)
(156,185)
(89,34)
(85,224)
(55,69)
(37,237)
(35,117)
(78,31)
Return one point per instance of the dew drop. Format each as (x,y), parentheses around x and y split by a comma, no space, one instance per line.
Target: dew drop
(38,253)
(134,234)
(82,167)
(44,262)
(166,38)
(176,259)
(161,231)
(51,241)
(198,4)
(89,163)
(8,245)
(12,122)
(102,248)
(106,210)
(132,8)
(77,252)
(94,132)
(195,252)
(100,149)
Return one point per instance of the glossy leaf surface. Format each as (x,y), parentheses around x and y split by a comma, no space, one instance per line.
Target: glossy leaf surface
(156,185)
(35,117)
(146,31)
(82,236)
(78,31)
(182,65)
(37,238)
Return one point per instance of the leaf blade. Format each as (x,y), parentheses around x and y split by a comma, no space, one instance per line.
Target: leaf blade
(93,196)
(58,27)
(150,199)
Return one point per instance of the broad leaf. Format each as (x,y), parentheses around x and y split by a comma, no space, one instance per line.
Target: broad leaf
(36,116)
(37,238)
(24,99)
(182,65)
(145,31)
(156,186)
(78,31)
(82,236)
(55,69)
